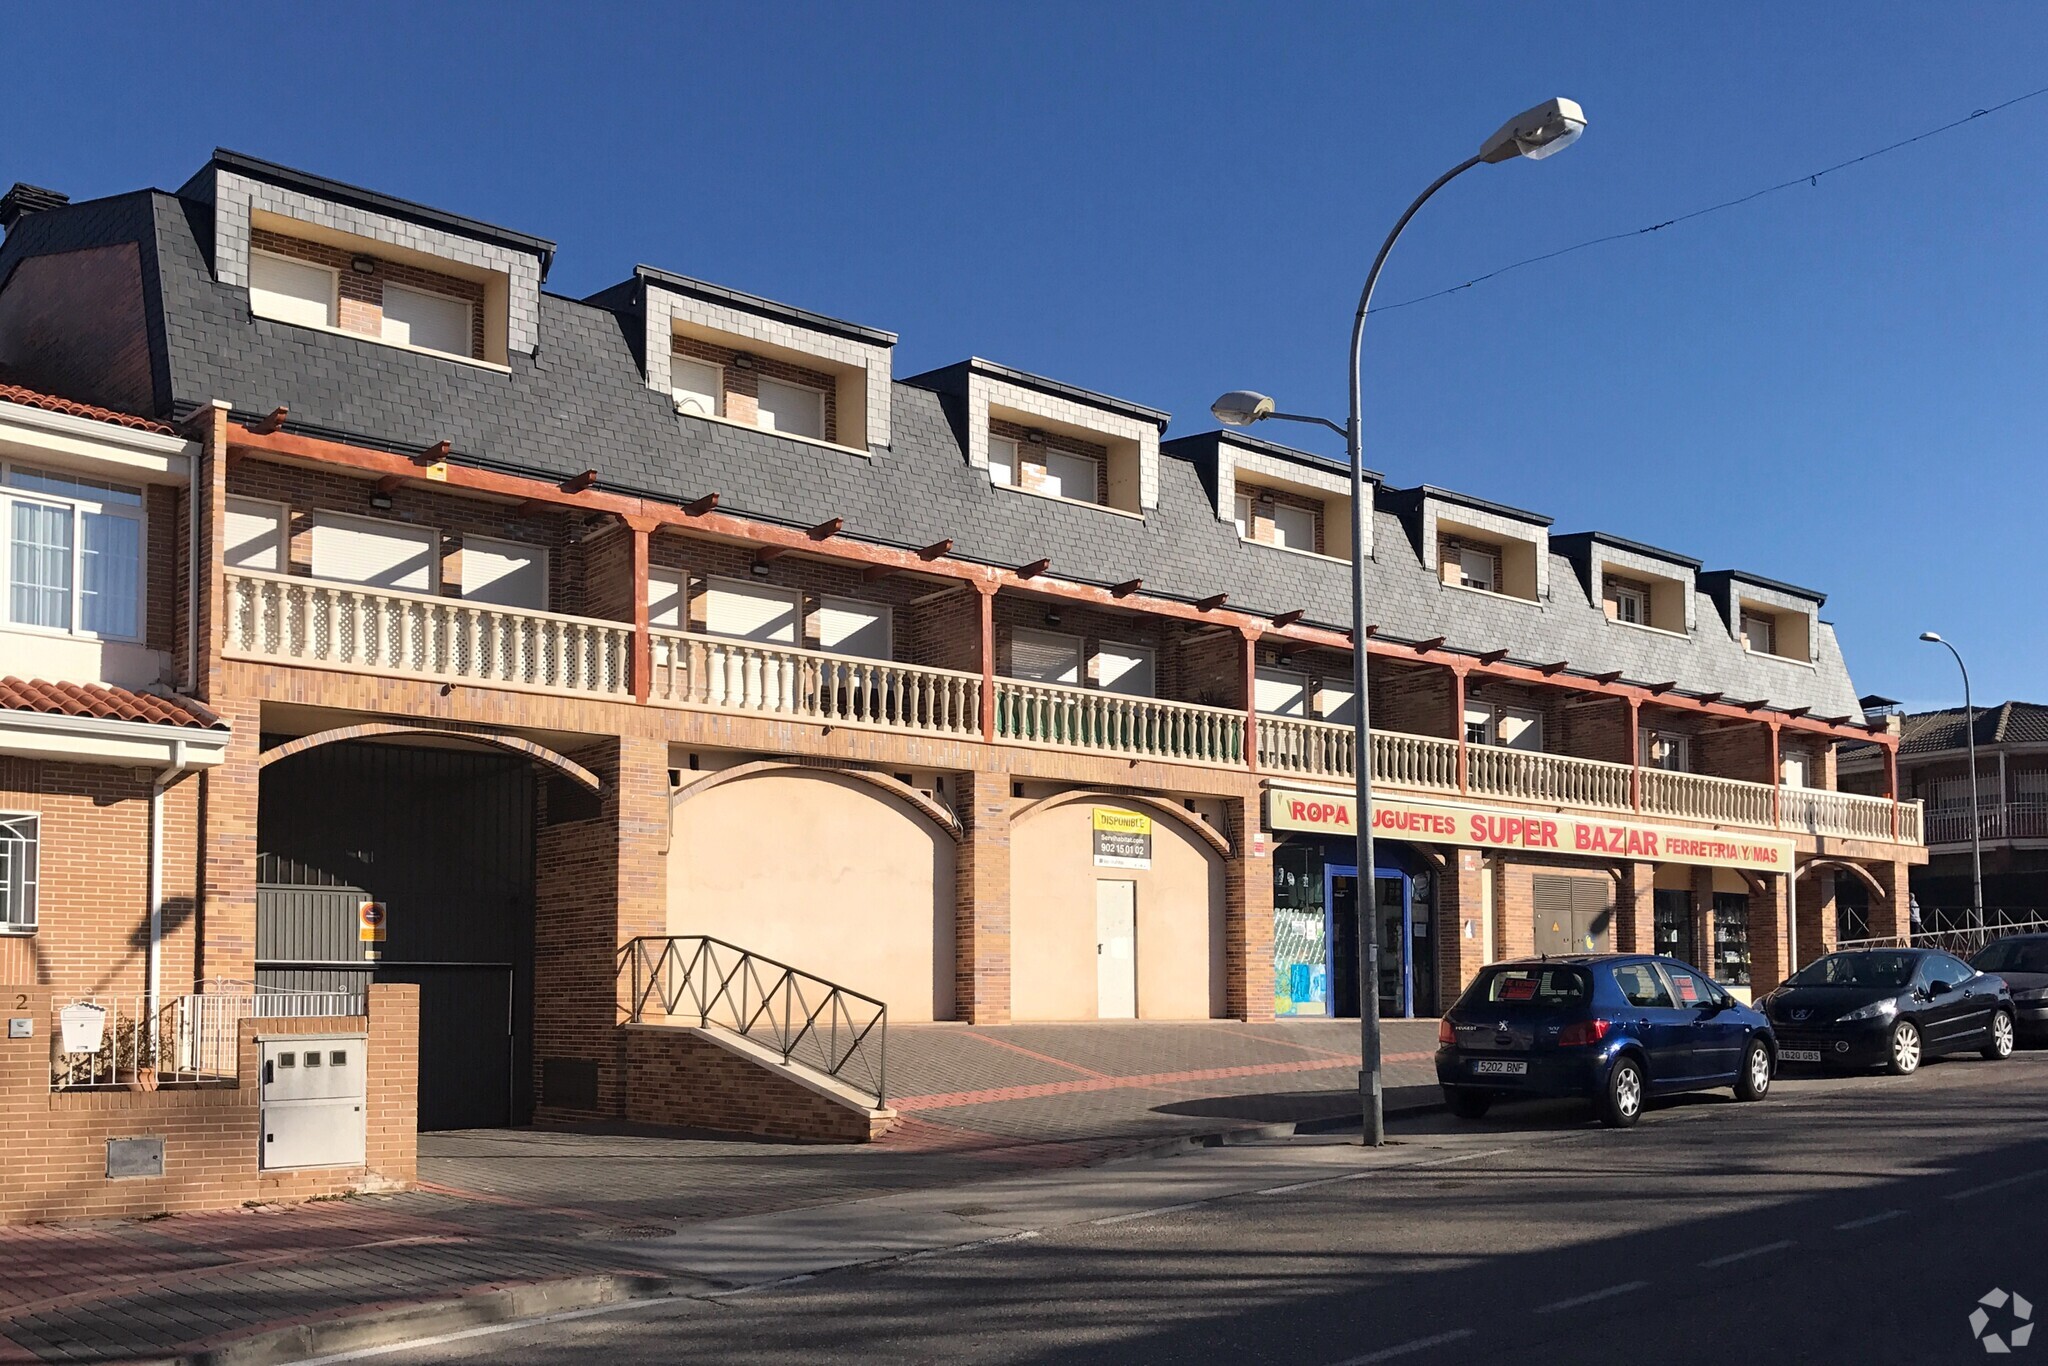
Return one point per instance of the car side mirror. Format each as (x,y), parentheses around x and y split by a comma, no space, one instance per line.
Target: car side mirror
(1938,988)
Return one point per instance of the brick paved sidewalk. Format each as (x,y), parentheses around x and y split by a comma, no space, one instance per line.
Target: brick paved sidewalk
(520,1206)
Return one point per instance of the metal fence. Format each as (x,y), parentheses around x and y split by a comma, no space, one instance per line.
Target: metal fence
(1962,932)
(701,981)
(122,1044)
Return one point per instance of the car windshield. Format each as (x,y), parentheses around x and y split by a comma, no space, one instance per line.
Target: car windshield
(1553,984)
(1892,970)
(2013,955)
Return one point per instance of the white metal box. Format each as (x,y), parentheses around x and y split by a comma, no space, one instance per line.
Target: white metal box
(314,1099)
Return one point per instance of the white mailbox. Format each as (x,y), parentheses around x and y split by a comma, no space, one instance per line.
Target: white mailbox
(314,1096)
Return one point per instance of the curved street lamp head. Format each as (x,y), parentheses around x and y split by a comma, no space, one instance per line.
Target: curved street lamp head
(1241,408)
(1536,133)
(1931,638)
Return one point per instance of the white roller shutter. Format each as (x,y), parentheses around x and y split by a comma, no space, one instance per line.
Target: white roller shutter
(790,408)
(255,535)
(1125,669)
(1281,692)
(433,322)
(753,611)
(1070,476)
(381,554)
(847,626)
(505,572)
(1333,703)
(1042,657)
(291,291)
(667,596)
(1294,527)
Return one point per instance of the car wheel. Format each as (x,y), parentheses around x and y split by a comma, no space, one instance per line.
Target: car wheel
(1756,1072)
(1466,1103)
(1621,1104)
(2000,1047)
(1903,1058)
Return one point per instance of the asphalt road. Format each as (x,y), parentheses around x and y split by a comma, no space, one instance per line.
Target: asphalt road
(1843,1220)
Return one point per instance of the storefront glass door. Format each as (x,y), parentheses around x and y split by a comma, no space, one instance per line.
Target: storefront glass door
(1392,926)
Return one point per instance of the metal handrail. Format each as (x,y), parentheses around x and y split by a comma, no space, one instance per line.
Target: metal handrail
(811,1022)
(1964,940)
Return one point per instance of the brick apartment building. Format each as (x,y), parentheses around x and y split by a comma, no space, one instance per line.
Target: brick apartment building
(509,636)
(2012,802)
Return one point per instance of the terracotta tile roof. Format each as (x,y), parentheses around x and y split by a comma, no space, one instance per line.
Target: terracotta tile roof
(94,701)
(30,398)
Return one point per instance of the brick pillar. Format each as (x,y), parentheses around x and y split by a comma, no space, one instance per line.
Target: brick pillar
(1461,929)
(599,882)
(1816,915)
(981,898)
(1703,919)
(227,891)
(1889,909)
(1769,929)
(1635,914)
(1247,914)
(393,1127)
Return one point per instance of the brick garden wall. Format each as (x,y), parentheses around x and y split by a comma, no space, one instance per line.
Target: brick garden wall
(53,1162)
(678,1077)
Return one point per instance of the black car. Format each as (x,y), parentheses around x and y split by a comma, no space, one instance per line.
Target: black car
(2022,961)
(1889,1007)
(1614,1028)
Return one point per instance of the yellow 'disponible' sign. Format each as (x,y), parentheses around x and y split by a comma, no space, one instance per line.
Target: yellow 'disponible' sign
(1543,832)
(1123,839)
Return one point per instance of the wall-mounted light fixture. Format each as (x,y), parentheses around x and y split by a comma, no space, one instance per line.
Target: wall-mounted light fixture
(1035,438)
(1052,616)
(760,569)
(743,362)
(363,265)
(381,501)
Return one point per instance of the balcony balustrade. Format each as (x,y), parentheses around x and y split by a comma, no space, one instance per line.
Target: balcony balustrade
(296,620)
(315,622)
(1113,723)
(1995,821)
(715,674)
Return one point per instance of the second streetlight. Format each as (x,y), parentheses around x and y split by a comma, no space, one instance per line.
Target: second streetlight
(1535,133)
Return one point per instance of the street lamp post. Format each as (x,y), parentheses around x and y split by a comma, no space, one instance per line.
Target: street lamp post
(1536,133)
(1976,825)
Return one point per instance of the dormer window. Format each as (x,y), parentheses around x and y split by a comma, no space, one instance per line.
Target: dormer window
(1002,461)
(1054,464)
(797,409)
(1294,526)
(1759,633)
(1626,600)
(366,289)
(293,291)
(1470,564)
(1288,520)
(698,386)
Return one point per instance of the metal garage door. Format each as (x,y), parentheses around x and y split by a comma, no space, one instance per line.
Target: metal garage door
(1573,914)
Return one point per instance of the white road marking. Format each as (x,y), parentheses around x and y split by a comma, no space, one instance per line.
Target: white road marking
(1147,1213)
(1301,1185)
(1576,1301)
(759,1286)
(1419,1345)
(1733,1257)
(1293,1186)
(1867,1220)
(1021,1237)
(1997,1185)
(510,1326)
(1461,1157)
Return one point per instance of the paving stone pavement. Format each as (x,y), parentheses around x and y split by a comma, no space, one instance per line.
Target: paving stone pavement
(518,1206)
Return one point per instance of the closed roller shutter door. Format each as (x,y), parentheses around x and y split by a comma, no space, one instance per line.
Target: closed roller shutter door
(750,612)
(433,322)
(291,291)
(850,627)
(1125,669)
(381,554)
(255,535)
(1041,658)
(1281,692)
(506,573)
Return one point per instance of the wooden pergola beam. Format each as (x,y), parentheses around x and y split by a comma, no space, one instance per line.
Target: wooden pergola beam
(697,507)
(1127,587)
(827,529)
(936,550)
(576,483)
(391,483)
(434,454)
(1493,656)
(273,422)
(1034,569)
(1287,619)
(1212,602)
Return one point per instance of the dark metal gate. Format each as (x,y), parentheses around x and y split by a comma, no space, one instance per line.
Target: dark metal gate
(442,839)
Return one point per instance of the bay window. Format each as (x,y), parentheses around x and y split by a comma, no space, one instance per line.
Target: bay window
(74,553)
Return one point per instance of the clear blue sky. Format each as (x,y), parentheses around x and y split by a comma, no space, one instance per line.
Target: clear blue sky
(1837,386)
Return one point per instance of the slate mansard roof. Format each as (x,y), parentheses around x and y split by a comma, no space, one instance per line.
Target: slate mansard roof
(580,400)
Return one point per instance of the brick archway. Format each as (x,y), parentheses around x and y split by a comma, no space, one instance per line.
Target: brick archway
(370,730)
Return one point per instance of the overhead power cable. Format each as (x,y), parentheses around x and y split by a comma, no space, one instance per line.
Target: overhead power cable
(1810,179)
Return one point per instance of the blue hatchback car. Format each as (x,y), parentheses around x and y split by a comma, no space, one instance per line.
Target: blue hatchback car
(1614,1028)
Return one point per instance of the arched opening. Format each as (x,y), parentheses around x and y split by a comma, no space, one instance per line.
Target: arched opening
(438,830)
(846,875)
(1116,911)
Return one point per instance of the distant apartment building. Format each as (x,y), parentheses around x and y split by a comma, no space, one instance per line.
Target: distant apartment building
(2011,809)
(481,641)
